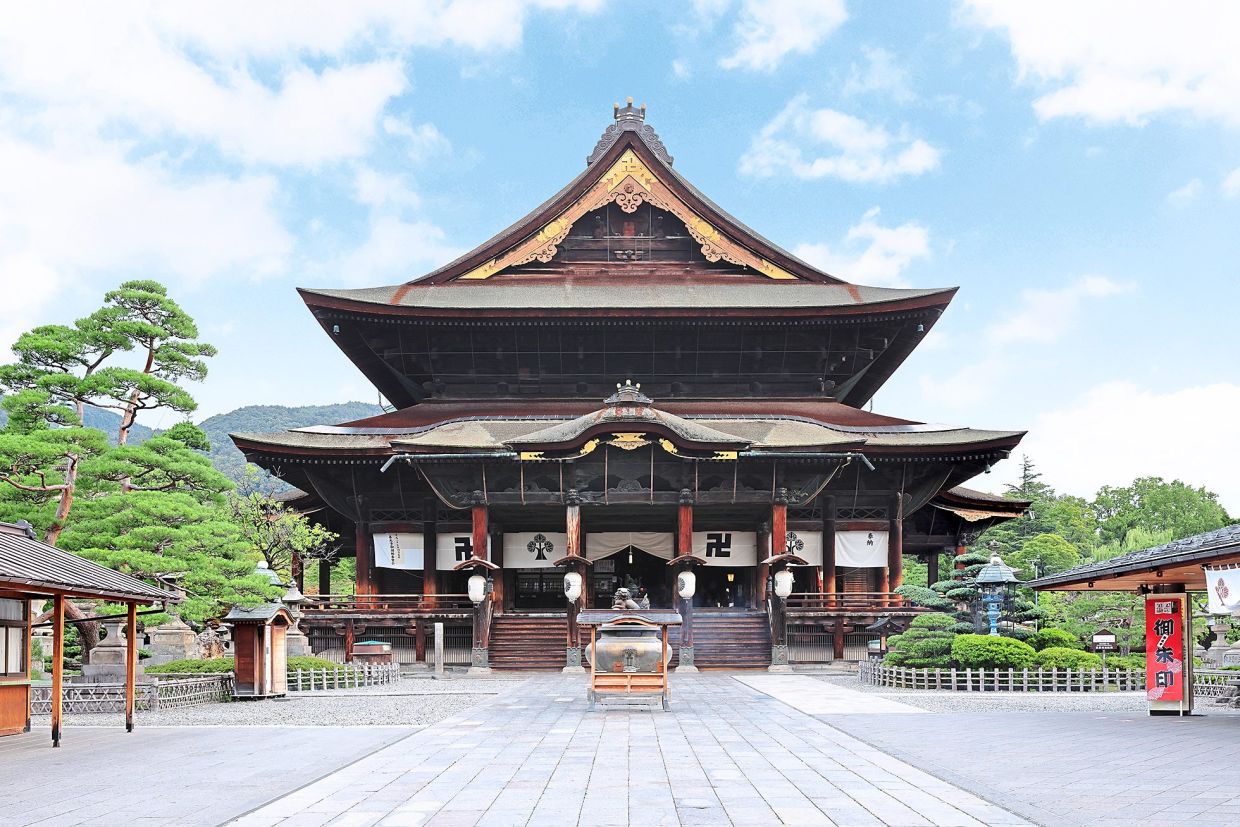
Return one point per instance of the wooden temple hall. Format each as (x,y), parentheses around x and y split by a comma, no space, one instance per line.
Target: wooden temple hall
(628,383)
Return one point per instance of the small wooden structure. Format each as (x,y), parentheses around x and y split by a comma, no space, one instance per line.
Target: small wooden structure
(260,644)
(640,671)
(34,571)
(372,651)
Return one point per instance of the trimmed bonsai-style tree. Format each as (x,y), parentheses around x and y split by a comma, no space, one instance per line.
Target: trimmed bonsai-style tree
(1060,657)
(988,652)
(926,645)
(1057,638)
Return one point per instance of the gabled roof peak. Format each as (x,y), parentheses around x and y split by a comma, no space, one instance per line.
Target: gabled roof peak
(630,118)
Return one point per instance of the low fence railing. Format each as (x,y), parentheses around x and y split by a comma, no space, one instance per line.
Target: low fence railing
(1216,683)
(851,603)
(172,692)
(1001,680)
(343,677)
(385,605)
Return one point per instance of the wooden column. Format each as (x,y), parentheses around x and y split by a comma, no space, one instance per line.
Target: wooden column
(419,640)
(684,548)
(895,543)
(828,551)
(572,525)
(478,534)
(365,560)
(500,577)
(348,642)
(932,568)
(58,663)
(325,577)
(961,550)
(297,568)
(837,640)
(131,663)
(430,543)
(779,522)
(763,571)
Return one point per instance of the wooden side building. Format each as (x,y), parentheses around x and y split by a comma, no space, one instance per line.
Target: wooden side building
(628,382)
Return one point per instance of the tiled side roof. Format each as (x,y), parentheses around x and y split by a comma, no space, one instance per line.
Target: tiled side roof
(1205,546)
(30,564)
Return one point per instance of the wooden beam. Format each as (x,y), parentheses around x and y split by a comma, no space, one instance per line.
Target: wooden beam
(131,664)
(58,663)
(365,559)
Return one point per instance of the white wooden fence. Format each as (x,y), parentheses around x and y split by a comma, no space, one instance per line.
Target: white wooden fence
(166,692)
(343,677)
(1001,680)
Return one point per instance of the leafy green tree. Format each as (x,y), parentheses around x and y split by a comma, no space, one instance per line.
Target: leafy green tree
(1153,504)
(1043,554)
(1084,613)
(171,461)
(278,533)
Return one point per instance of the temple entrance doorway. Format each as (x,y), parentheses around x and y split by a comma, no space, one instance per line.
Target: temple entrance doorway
(539,589)
(632,568)
(724,588)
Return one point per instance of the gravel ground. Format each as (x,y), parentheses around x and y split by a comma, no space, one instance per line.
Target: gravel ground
(945,701)
(411,702)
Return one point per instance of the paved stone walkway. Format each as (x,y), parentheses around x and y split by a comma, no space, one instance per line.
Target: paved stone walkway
(726,754)
(815,697)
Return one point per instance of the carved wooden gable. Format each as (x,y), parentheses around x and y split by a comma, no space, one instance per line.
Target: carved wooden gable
(629,184)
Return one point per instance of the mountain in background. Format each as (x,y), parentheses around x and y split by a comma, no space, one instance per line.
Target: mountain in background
(252,418)
(104,420)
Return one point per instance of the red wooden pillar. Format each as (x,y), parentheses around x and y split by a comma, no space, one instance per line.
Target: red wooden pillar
(430,540)
(684,548)
(500,577)
(131,663)
(895,542)
(763,571)
(828,552)
(349,636)
(961,550)
(298,569)
(572,525)
(325,577)
(58,663)
(478,513)
(779,523)
(365,560)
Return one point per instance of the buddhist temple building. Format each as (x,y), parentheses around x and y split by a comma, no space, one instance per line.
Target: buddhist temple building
(629,383)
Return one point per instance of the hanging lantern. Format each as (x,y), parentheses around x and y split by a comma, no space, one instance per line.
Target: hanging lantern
(477,588)
(686,584)
(572,586)
(783,583)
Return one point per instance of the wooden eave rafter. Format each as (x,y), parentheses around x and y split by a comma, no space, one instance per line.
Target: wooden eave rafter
(628,173)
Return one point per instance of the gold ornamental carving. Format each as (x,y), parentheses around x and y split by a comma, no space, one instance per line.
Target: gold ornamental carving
(629,441)
(629,183)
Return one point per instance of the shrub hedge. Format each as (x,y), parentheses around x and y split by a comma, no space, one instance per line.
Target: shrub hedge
(221,665)
(1061,657)
(1047,638)
(985,651)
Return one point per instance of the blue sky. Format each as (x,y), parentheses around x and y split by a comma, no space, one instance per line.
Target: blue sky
(1074,167)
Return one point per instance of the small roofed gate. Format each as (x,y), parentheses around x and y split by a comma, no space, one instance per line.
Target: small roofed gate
(260,644)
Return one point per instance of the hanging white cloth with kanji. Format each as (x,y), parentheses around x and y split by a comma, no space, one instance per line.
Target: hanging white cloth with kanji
(1223,586)
(606,543)
(861,549)
(398,551)
(805,544)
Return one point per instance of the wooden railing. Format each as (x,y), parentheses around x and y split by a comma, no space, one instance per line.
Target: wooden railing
(369,605)
(343,677)
(852,603)
(1001,680)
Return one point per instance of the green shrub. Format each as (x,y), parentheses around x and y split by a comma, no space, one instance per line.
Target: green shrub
(1057,638)
(964,627)
(311,662)
(1061,657)
(985,651)
(1018,632)
(1134,662)
(209,666)
(927,643)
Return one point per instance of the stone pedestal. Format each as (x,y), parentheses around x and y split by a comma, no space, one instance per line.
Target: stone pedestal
(173,641)
(107,660)
(686,660)
(479,662)
(779,659)
(297,642)
(573,663)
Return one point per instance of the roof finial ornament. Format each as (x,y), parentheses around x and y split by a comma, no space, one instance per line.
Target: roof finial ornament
(629,112)
(627,393)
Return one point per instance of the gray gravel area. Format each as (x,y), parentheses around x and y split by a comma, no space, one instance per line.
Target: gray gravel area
(411,702)
(944,701)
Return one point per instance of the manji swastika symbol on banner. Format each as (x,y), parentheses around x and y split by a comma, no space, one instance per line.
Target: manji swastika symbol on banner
(719,544)
(464,548)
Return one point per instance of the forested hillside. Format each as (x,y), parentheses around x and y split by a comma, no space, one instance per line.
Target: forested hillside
(251,418)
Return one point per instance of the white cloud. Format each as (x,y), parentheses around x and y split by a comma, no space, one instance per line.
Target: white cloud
(1104,438)
(681,69)
(396,250)
(770,30)
(880,74)
(825,143)
(1185,195)
(1043,316)
(1123,60)
(423,140)
(871,253)
(1231,184)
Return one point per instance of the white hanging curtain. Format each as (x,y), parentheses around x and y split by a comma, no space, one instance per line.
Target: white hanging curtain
(451,549)
(606,543)
(805,544)
(1223,587)
(398,551)
(727,548)
(861,549)
(534,549)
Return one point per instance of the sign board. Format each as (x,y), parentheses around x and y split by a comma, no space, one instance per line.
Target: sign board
(1104,641)
(1168,660)
(398,551)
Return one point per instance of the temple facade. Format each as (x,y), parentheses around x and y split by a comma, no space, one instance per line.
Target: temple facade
(631,385)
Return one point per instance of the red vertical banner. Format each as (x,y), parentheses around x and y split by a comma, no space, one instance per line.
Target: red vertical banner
(1165,627)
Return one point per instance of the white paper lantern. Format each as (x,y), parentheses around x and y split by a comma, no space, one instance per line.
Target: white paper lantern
(686,584)
(477,588)
(783,583)
(572,586)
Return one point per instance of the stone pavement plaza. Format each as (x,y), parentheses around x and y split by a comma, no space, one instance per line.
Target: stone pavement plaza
(740,749)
